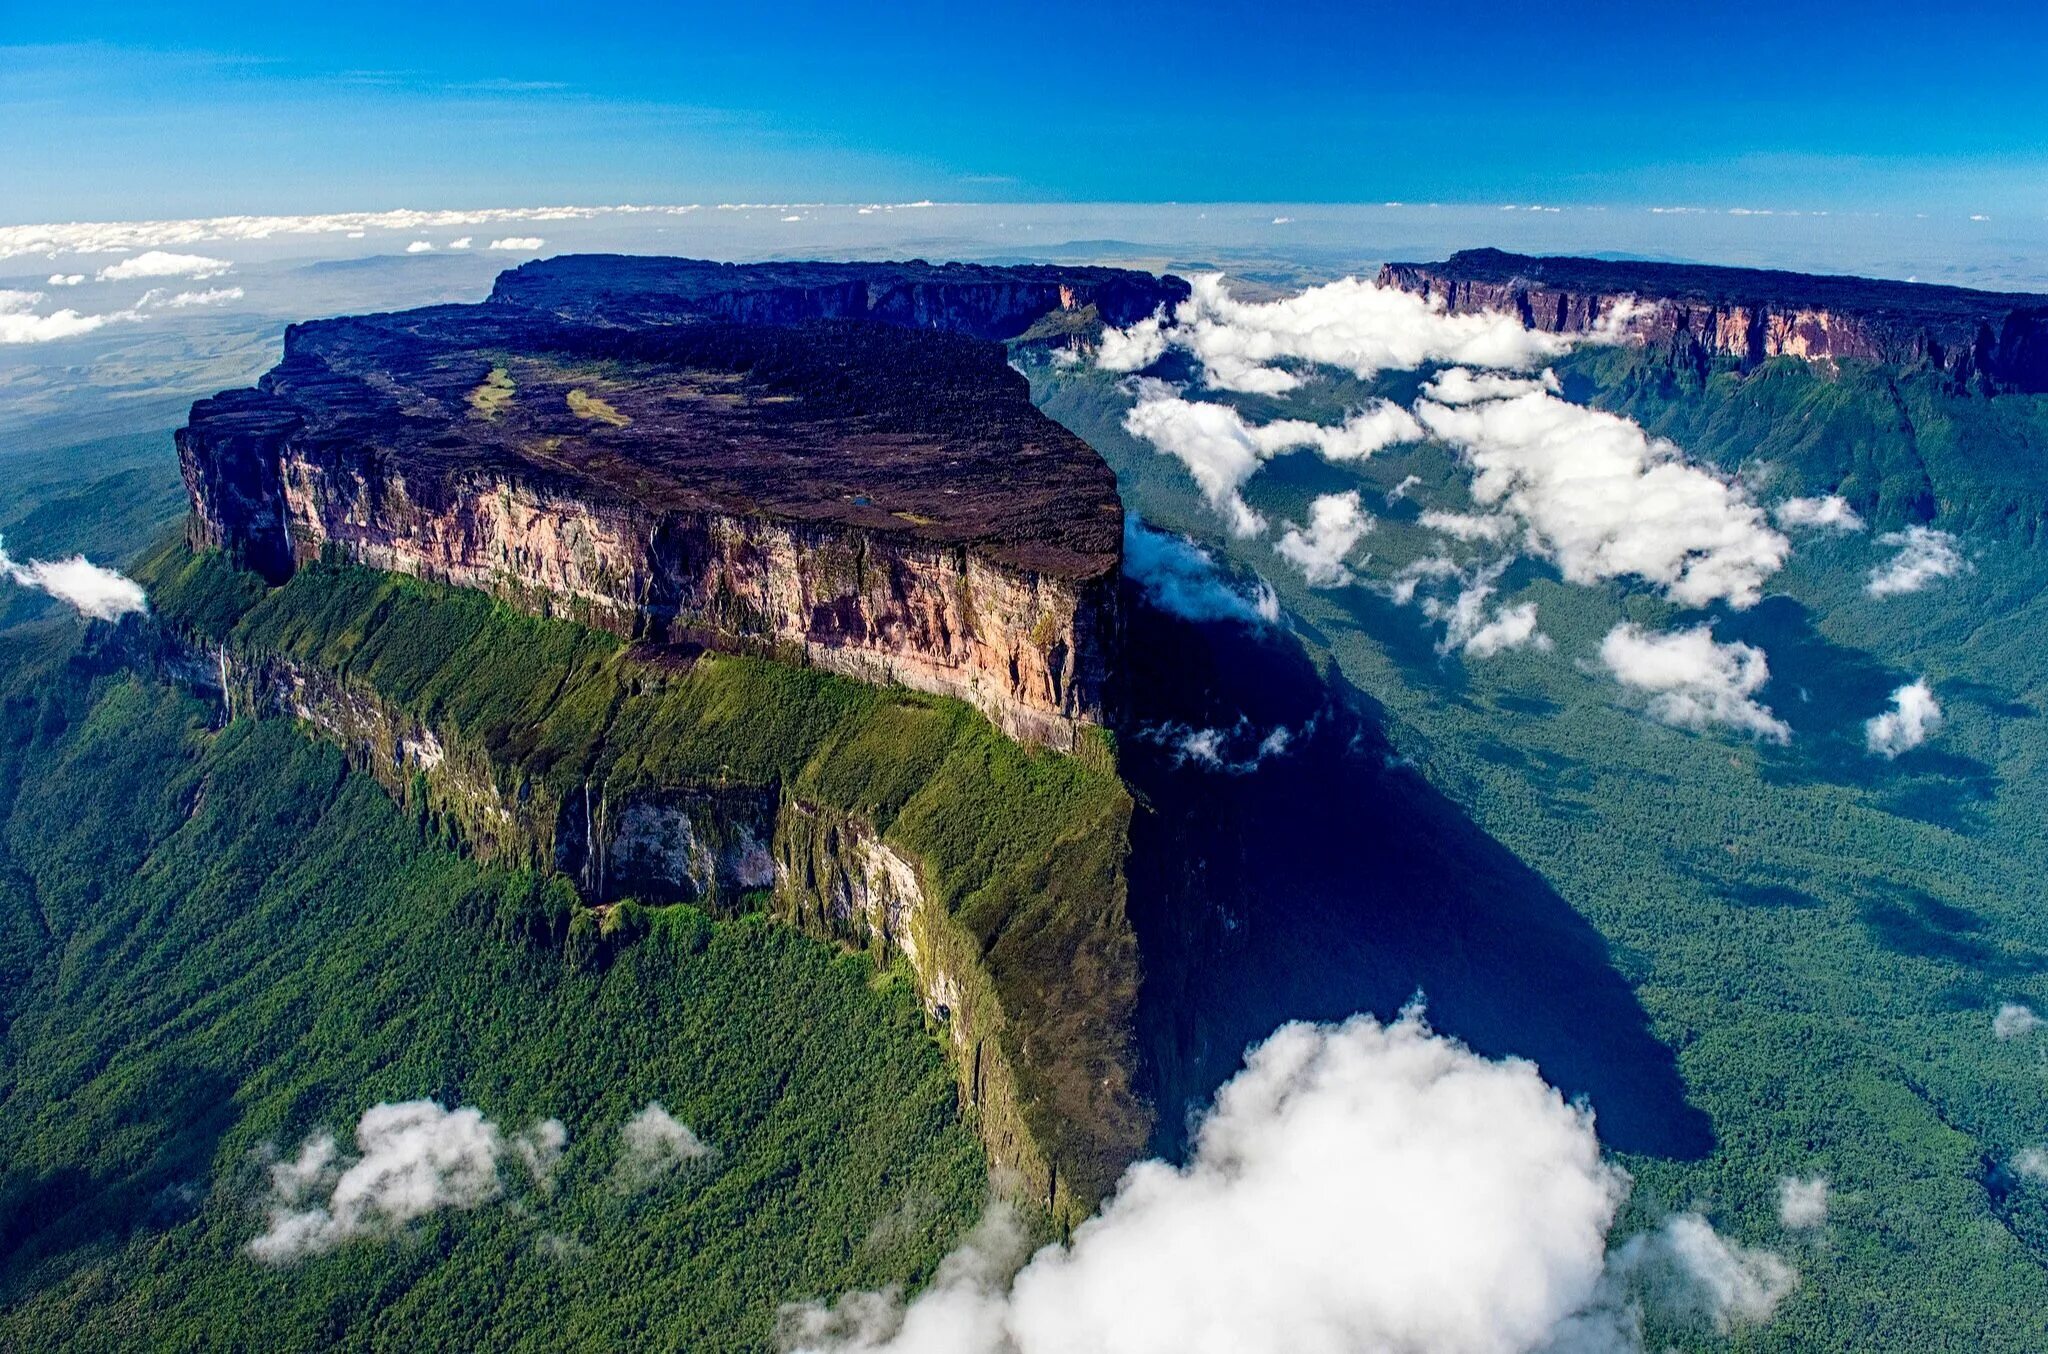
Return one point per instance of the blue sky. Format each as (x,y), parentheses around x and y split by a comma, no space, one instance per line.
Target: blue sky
(122,111)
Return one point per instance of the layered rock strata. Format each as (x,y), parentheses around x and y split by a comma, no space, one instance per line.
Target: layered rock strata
(1987,340)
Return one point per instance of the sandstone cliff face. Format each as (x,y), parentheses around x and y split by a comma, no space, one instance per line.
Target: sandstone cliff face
(1985,339)
(720,846)
(872,499)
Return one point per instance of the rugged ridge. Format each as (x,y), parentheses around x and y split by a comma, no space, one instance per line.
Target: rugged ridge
(695,453)
(1983,340)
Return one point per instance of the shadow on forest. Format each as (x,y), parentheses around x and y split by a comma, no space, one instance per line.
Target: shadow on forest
(67,1211)
(1334,880)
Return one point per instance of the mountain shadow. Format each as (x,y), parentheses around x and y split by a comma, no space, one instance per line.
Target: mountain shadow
(1332,879)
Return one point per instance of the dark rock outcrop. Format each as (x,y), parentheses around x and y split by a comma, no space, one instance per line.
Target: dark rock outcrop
(826,462)
(1983,340)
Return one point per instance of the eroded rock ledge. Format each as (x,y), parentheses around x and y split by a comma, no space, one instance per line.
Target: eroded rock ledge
(1987,340)
(827,463)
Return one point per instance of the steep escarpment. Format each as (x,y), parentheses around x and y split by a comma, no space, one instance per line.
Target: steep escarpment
(650,448)
(959,298)
(898,822)
(1985,340)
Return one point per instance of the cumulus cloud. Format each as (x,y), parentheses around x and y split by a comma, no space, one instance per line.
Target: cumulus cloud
(653,1146)
(1604,499)
(66,279)
(2015,1021)
(1180,577)
(1461,385)
(1492,527)
(1925,555)
(1915,717)
(420,247)
(518,242)
(106,237)
(1336,523)
(20,324)
(1803,1203)
(1223,451)
(463,243)
(1236,751)
(1134,348)
(1694,681)
(2031,1162)
(1356,1187)
(186,300)
(1469,629)
(1831,513)
(92,591)
(1400,491)
(159,263)
(414,1158)
(1359,326)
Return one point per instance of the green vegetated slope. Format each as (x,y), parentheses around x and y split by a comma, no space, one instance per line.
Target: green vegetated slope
(1022,848)
(1819,935)
(215,942)
(104,499)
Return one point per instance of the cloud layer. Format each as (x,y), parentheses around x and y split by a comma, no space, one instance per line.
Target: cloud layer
(1357,1186)
(1182,578)
(92,591)
(1915,717)
(1924,557)
(1359,326)
(1694,681)
(415,1158)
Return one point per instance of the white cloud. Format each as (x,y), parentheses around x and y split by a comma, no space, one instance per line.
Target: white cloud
(1925,555)
(1460,385)
(1237,751)
(1400,491)
(66,279)
(1412,575)
(1468,626)
(2015,1021)
(420,247)
(520,242)
(1359,326)
(1182,578)
(539,1148)
(463,243)
(1803,1203)
(2031,1162)
(1915,717)
(1356,1187)
(1336,523)
(1832,513)
(106,237)
(654,1146)
(185,300)
(1694,682)
(20,324)
(158,263)
(1491,527)
(93,591)
(1604,499)
(416,1158)
(1222,451)
(1135,348)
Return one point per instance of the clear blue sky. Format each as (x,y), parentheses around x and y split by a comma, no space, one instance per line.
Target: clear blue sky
(123,110)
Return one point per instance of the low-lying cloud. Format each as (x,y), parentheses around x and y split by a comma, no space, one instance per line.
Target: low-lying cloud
(1336,524)
(413,1158)
(1222,451)
(1603,499)
(1356,1186)
(1237,750)
(1915,717)
(1831,513)
(1359,326)
(158,263)
(1925,556)
(91,590)
(1182,579)
(1803,1202)
(654,1146)
(1475,628)
(1694,681)
(2014,1020)
(518,242)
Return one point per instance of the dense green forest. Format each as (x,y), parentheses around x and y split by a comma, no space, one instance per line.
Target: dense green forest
(1820,937)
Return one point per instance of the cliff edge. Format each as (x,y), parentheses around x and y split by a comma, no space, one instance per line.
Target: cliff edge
(1984,340)
(827,463)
